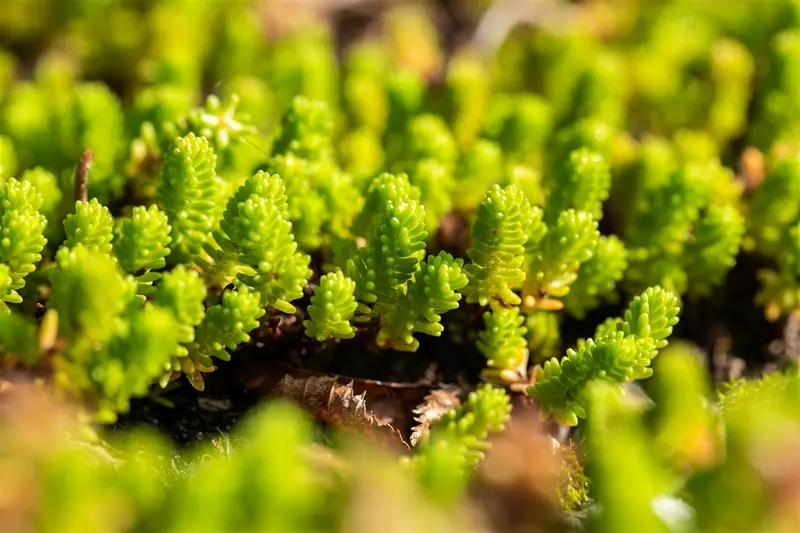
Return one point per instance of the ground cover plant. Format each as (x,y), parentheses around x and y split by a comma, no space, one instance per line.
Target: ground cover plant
(423,266)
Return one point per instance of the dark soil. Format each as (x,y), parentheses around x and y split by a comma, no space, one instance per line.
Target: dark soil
(195,416)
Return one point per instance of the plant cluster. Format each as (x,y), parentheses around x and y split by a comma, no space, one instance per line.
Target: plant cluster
(370,197)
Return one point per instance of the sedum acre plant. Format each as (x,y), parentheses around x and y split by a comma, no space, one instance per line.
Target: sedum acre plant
(187,193)
(530,256)
(115,348)
(499,235)
(772,230)
(620,351)
(332,307)
(504,344)
(182,292)
(433,291)
(407,221)
(22,239)
(461,433)
(141,244)
(686,235)
(254,241)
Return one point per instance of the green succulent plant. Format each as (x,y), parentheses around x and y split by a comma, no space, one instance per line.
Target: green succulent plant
(141,244)
(619,352)
(22,228)
(332,306)
(432,292)
(255,242)
(225,326)
(91,226)
(392,256)
(500,233)
(462,432)
(327,201)
(504,344)
(188,194)
(182,292)
(675,223)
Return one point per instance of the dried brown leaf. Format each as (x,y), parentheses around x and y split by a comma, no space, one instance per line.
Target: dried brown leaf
(327,400)
(390,402)
(436,404)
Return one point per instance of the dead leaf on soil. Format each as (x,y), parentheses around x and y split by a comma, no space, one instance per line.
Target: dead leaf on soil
(436,404)
(327,400)
(390,402)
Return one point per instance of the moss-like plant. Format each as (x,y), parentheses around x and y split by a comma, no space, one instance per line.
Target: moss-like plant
(582,184)
(114,349)
(712,251)
(22,231)
(226,325)
(780,291)
(775,206)
(598,276)
(669,237)
(432,292)
(462,432)
(182,292)
(90,292)
(499,235)
(553,259)
(323,200)
(620,351)
(504,344)
(543,334)
(255,242)
(332,306)
(428,156)
(91,226)
(141,244)
(187,194)
(391,258)
(382,190)
(307,210)
(266,200)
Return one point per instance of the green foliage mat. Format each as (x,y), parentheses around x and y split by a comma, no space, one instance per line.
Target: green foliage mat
(410,266)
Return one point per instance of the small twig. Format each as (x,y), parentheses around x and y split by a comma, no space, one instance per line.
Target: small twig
(82,176)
